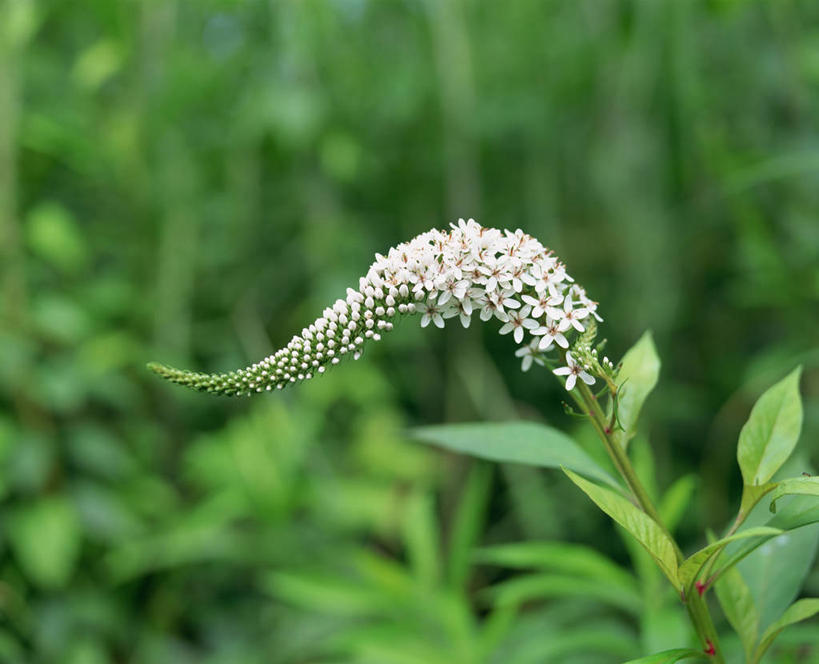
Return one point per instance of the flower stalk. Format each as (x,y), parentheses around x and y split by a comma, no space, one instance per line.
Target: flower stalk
(695,603)
(501,275)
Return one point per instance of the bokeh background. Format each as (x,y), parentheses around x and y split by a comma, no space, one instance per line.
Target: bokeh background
(192,182)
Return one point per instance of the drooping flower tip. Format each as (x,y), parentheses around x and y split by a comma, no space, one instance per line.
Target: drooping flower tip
(469,269)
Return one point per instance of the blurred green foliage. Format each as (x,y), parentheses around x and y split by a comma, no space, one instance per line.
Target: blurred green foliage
(193,181)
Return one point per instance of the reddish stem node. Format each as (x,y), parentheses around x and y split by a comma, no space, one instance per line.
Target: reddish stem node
(710,650)
(701,587)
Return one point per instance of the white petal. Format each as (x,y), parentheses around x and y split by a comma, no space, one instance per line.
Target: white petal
(506,329)
(570,381)
(561,340)
(586,378)
(527,363)
(439,322)
(518,335)
(562,371)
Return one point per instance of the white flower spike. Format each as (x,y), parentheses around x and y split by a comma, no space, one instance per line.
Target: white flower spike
(441,274)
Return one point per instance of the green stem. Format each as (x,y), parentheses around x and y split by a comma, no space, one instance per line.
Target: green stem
(618,455)
(701,618)
(695,604)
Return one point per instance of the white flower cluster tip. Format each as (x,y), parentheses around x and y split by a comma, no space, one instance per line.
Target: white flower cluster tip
(467,270)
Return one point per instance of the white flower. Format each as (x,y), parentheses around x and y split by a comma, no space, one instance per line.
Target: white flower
(509,276)
(431,313)
(518,321)
(551,333)
(541,303)
(572,372)
(529,354)
(452,288)
(465,312)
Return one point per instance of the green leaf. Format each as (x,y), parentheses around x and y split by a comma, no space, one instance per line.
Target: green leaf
(807,486)
(324,593)
(529,587)
(636,379)
(676,500)
(669,656)
(796,517)
(775,568)
(772,430)
(468,522)
(515,442)
(46,537)
(691,567)
(420,530)
(797,612)
(737,603)
(644,529)
(573,559)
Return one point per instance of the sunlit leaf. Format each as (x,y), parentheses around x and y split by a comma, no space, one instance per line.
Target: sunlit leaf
(515,442)
(645,530)
(772,430)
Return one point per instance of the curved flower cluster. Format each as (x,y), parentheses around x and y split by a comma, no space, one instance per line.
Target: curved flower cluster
(505,275)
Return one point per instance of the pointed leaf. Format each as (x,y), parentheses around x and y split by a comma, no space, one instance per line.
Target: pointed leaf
(530,587)
(770,434)
(790,519)
(807,486)
(420,529)
(573,559)
(515,442)
(737,603)
(468,523)
(670,656)
(644,529)
(676,500)
(691,567)
(797,612)
(637,377)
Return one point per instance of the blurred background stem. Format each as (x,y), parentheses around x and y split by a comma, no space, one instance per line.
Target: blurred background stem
(12,259)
